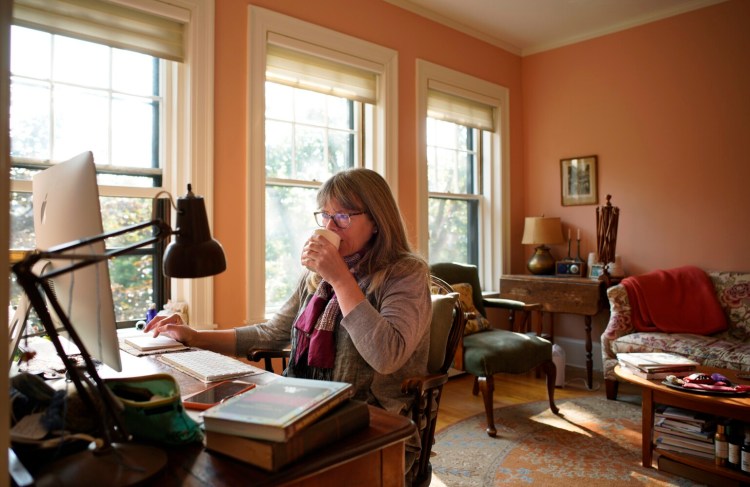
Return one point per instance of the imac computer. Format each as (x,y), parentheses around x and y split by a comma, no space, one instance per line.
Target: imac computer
(66,209)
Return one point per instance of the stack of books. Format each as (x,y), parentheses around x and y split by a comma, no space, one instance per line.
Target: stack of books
(656,365)
(684,431)
(275,424)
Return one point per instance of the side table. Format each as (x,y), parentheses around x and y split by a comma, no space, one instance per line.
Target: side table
(575,295)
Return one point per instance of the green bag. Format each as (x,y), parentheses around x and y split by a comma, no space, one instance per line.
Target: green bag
(153,409)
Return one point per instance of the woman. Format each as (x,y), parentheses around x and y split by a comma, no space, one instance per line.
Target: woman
(360,313)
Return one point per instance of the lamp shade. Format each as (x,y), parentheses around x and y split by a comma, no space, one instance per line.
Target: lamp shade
(539,230)
(193,253)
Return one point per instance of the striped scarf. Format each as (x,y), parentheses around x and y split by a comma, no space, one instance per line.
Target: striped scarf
(314,351)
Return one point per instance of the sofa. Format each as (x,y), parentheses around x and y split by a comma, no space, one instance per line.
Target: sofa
(728,348)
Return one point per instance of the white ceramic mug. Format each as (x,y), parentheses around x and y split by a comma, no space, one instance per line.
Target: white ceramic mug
(329,235)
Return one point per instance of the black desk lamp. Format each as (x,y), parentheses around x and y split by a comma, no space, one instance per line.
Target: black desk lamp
(193,254)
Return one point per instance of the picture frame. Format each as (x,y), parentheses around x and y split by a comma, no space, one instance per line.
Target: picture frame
(578,179)
(596,270)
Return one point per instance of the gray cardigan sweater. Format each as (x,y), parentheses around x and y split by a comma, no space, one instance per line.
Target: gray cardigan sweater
(382,341)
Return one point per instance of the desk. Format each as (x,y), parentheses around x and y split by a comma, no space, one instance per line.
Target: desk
(373,456)
(575,295)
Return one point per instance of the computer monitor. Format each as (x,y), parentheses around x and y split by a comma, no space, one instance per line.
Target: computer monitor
(66,209)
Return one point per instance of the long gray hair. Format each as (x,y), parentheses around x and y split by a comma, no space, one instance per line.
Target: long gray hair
(365,190)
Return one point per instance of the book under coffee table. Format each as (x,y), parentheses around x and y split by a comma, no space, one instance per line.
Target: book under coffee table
(653,392)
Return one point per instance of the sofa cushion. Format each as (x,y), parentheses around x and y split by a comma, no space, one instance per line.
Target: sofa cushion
(733,291)
(711,351)
(478,322)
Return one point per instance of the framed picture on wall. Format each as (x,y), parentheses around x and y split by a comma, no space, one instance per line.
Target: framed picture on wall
(579,181)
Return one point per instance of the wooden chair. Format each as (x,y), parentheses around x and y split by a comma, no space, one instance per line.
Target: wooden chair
(494,351)
(446,330)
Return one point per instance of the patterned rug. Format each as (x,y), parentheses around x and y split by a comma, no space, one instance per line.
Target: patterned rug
(595,442)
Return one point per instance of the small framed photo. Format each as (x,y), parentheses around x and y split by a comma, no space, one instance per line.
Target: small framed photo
(596,270)
(579,181)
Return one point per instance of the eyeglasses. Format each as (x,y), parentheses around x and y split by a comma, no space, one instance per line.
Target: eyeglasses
(342,220)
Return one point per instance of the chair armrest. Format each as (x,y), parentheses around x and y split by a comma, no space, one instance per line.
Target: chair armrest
(511,304)
(419,385)
(266,354)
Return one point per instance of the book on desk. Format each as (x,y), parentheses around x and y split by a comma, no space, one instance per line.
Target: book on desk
(277,410)
(345,419)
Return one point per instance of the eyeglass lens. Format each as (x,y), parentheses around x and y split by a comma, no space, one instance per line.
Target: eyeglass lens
(342,220)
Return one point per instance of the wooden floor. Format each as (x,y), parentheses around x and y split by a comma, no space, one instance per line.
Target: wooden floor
(459,403)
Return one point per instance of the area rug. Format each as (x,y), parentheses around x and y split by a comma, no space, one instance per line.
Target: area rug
(594,442)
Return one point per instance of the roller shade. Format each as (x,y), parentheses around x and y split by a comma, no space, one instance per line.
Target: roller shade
(106,23)
(310,72)
(460,110)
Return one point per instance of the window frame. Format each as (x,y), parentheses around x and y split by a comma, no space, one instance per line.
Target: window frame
(189,139)
(383,61)
(494,199)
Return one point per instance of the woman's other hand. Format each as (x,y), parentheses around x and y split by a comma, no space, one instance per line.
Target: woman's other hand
(171,326)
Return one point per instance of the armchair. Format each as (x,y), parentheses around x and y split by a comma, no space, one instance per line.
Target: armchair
(491,351)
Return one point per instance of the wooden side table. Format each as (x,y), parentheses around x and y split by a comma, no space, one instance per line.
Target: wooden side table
(575,295)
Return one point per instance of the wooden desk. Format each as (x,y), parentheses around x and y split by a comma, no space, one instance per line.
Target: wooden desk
(373,456)
(575,295)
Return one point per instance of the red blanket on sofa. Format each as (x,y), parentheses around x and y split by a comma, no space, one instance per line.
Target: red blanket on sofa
(680,300)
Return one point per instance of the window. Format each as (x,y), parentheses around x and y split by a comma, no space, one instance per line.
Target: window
(126,99)
(453,155)
(463,170)
(309,137)
(67,96)
(320,102)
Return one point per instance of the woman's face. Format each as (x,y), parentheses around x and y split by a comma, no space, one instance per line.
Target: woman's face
(357,234)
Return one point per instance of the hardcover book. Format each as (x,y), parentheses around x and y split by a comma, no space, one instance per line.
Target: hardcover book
(345,419)
(653,375)
(277,410)
(652,362)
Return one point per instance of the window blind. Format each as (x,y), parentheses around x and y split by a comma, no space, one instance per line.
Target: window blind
(107,23)
(458,109)
(310,72)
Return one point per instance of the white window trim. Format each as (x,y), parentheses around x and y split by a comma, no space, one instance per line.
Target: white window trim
(262,22)
(190,145)
(494,238)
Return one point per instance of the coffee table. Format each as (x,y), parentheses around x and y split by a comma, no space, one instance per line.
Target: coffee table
(654,392)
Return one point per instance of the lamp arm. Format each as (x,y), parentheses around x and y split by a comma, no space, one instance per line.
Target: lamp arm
(163,231)
(37,287)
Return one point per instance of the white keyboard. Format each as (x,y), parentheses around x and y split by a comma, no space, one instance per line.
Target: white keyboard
(208,366)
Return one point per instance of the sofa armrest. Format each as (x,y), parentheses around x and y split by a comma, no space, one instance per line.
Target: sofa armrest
(620,322)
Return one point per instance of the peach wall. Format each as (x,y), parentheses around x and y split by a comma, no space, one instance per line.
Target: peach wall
(666,108)
(375,21)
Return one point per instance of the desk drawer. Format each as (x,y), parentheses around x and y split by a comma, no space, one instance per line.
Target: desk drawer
(556,294)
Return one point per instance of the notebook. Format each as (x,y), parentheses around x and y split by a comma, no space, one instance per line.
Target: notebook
(147,342)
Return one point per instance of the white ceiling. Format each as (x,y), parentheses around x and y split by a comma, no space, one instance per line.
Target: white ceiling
(529,26)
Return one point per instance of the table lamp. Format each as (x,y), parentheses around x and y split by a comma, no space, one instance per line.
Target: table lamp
(193,254)
(540,231)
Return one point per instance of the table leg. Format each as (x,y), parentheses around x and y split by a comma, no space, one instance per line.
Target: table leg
(589,355)
(647,425)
